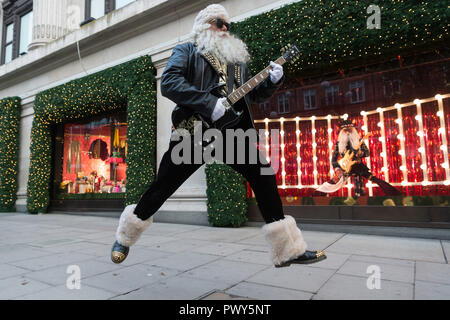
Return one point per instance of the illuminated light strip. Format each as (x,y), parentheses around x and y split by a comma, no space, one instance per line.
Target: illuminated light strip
(330,144)
(381,110)
(339,117)
(267,140)
(366,131)
(283,159)
(422,149)
(299,159)
(314,145)
(444,146)
(396,184)
(401,137)
(383,144)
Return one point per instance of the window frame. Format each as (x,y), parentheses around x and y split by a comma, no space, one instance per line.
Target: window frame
(13,11)
(361,95)
(286,101)
(309,95)
(110,5)
(333,92)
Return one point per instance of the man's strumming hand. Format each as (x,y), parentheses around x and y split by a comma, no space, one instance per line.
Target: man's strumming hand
(276,73)
(219,110)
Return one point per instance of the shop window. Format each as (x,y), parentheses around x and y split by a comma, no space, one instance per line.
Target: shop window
(95,156)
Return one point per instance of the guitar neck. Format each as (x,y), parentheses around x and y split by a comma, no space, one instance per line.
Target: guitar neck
(240,92)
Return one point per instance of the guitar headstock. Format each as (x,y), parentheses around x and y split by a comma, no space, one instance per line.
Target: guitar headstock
(290,53)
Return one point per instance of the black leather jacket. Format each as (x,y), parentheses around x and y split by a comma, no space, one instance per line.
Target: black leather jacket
(189,76)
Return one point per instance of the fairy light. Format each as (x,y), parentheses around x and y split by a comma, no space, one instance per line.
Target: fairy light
(443,131)
(266,126)
(401,138)
(365,128)
(314,145)
(382,139)
(330,143)
(283,159)
(419,119)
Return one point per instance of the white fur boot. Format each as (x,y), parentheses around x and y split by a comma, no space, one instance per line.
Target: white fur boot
(285,240)
(130,226)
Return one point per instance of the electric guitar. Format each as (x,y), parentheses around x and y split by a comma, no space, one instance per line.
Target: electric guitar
(347,162)
(182,118)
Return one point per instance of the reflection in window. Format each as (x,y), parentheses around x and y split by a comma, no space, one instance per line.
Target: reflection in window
(26,32)
(284,103)
(264,106)
(9,42)
(94,157)
(309,98)
(358,91)
(97,8)
(122,3)
(331,95)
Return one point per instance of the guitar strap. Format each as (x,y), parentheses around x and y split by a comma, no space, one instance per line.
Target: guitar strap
(230,73)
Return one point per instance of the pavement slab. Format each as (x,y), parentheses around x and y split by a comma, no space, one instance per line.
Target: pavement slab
(390,247)
(263,292)
(345,287)
(297,277)
(176,288)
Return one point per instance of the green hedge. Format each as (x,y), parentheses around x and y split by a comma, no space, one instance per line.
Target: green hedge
(227,196)
(130,85)
(9,148)
(333,34)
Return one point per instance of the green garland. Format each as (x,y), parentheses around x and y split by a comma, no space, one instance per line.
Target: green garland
(131,84)
(9,149)
(227,196)
(333,34)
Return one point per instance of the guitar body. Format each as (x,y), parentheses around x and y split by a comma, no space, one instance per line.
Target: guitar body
(347,162)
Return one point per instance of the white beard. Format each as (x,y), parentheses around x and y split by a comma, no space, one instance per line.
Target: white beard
(224,46)
(344,138)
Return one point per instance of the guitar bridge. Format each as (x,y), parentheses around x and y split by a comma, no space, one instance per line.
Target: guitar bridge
(226,104)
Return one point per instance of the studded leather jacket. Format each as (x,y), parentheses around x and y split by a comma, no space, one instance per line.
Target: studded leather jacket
(190,76)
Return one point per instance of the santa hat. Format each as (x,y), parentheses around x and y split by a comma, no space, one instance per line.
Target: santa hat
(346,124)
(211,12)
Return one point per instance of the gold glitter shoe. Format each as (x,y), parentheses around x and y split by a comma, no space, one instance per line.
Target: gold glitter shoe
(306,258)
(119,252)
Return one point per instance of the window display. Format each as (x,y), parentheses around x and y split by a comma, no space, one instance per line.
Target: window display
(94,157)
(403,113)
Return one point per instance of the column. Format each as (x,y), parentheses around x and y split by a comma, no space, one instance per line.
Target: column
(188,203)
(53,19)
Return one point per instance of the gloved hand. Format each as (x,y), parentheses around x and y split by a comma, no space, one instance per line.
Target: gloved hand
(219,110)
(276,73)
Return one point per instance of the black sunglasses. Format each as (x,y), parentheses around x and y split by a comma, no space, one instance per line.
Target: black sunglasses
(220,23)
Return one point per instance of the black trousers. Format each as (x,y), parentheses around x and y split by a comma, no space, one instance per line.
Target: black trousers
(362,170)
(171,176)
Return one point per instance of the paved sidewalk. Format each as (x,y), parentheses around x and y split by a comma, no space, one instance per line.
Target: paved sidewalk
(41,254)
